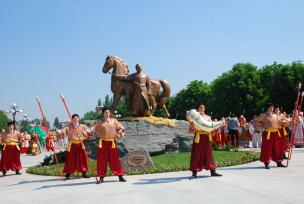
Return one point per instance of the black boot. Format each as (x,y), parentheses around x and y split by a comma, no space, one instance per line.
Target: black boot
(214,173)
(3,173)
(122,179)
(17,172)
(67,177)
(84,175)
(100,180)
(194,175)
(267,166)
(279,164)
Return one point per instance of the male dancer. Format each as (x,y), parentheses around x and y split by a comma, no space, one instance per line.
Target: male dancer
(108,129)
(201,154)
(270,149)
(76,155)
(282,139)
(10,159)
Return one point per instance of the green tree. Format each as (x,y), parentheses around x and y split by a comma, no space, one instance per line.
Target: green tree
(238,91)
(57,123)
(159,112)
(90,115)
(3,120)
(99,103)
(195,92)
(280,82)
(24,125)
(108,101)
(122,108)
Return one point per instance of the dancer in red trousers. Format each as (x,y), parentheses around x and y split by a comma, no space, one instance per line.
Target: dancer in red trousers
(201,154)
(50,142)
(10,159)
(282,139)
(108,130)
(76,156)
(271,149)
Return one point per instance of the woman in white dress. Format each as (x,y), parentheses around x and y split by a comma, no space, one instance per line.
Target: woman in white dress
(299,139)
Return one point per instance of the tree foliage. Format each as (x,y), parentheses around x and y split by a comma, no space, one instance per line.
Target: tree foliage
(90,115)
(244,89)
(3,120)
(57,123)
(121,109)
(108,101)
(238,91)
(196,91)
(99,103)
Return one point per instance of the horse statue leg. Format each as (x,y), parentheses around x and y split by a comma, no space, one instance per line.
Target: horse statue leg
(160,100)
(163,98)
(164,107)
(153,104)
(116,98)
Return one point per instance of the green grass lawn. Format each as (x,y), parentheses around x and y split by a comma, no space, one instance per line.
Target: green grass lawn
(165,163)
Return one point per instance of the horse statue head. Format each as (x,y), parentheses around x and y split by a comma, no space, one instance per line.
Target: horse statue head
(118,65)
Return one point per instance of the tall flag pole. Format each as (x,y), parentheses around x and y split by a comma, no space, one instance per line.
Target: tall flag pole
(74,125)
(47,129)
(300,109)
(293,125)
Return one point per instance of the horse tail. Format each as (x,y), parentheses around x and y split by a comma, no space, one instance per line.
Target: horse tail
(163,98)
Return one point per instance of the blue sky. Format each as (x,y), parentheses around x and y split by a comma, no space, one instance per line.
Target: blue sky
(53,46)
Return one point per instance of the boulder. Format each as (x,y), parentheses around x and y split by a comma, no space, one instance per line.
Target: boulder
(155,139)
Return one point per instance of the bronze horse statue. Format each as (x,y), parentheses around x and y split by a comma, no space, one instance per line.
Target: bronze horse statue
(124,88)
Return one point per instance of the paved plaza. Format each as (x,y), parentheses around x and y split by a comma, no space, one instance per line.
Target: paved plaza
(249,183)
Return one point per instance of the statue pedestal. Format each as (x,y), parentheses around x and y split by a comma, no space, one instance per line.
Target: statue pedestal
(137,160)
(156,139)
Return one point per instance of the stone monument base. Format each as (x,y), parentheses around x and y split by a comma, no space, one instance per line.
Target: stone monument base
(155,139)
(137,160)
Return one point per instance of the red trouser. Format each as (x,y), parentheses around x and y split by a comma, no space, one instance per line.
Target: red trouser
(108,154)
(75,160)
(223,139)
(270,148)
(283,141)
(201,155)
(24,150)
(217,139)
(49,144)
(10,159)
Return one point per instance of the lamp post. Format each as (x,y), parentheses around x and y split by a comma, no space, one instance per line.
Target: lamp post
(14,110)
(25,120)
(116,114)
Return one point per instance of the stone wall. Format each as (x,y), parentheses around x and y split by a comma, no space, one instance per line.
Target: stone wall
(156,139)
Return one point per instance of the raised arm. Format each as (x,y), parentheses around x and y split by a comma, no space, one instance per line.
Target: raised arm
(61,133)
(283,121)
(20,137)
(192,128)
(120,129)
(258,121)
(88,132)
